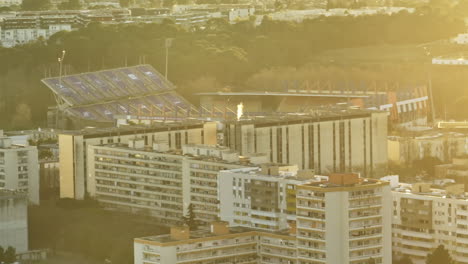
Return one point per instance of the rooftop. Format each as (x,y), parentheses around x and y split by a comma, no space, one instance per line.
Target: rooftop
(93,132)
(320,114)
(204,233)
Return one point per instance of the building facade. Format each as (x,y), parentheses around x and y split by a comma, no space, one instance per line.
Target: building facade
(426,217)
(14,220)
(346,219)
(260,197)
(19,168)
(160,182)
(73,148)
(326,143)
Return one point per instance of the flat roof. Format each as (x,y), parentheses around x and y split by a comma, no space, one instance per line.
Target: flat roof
(337,95)
(297,118)
(205,234)
(94,132)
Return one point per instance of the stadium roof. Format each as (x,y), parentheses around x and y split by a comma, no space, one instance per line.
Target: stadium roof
(98,96)
(341,95)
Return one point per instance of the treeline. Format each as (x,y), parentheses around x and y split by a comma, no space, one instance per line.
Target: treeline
(220,55)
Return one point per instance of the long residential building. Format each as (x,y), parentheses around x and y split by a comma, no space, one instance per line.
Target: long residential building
(345,219)
(19,168)
(426,217)
(73,147)
(326,142)
(160,182)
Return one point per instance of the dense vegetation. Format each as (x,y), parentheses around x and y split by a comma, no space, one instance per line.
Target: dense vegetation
(220,56)
(81,227)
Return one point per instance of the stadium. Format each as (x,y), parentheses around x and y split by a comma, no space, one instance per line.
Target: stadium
(95,98)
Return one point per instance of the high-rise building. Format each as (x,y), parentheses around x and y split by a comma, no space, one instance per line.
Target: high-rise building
(73,147)
(14,220)
(425,217)
(19,168)
(327,142)
(261,197)
(346,219)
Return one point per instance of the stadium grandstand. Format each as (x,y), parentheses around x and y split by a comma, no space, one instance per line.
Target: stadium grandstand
(97,97)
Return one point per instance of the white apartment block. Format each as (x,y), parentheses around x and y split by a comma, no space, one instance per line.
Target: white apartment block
(327,142)
(73,147)
(425,217)
(346,219)
(160,182)
(19,168)
(221,244)
(261,198)
(10,2)
(18,36)
(14,220)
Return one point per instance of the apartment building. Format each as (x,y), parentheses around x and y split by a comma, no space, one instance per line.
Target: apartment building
(261,197)
(426,217)
(346,219)
(160,182)
(14,220)
(326,142)
(221,244)
(445,146)
(73,147)
(19,168)
(21,30)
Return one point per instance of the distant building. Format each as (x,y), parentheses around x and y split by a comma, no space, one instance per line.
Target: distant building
(20,30)
(14,220)
(19,168)
(160,182)
(261,198)
(73,147)
(221,244)
(426,217)
(344,220)
(457,170)
(327,142)
(10,2)
(441,145)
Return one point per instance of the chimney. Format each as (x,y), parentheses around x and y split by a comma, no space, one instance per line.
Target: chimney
(344,178)
(220,228)
(180,232)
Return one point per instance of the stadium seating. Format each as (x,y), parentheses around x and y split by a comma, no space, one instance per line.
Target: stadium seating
(99,96)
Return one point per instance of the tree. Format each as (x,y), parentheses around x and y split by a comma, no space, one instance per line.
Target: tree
(124,3)
(189,220)
(22,117)
(405,260)
(438,256)
(70,5)
(35,4)
(10,255)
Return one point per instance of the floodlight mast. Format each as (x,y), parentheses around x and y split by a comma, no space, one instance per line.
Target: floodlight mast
(60,61)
